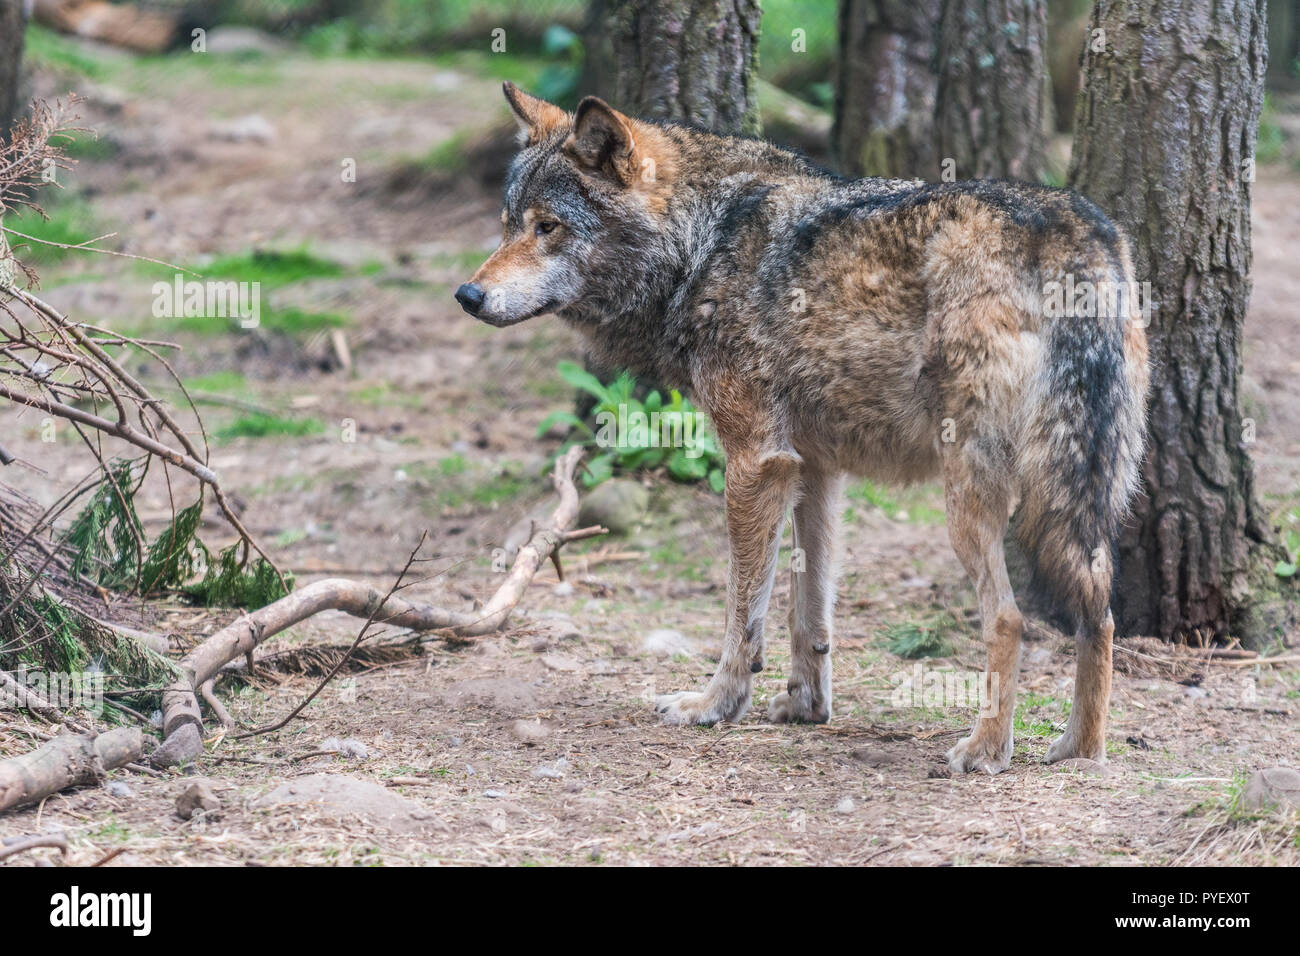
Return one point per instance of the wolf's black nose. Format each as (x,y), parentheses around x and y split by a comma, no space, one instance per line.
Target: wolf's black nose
(471,296)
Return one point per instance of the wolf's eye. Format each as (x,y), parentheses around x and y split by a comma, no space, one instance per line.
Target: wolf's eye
(546,227)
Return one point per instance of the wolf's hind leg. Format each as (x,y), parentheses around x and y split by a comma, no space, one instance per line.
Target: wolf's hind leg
(759,487)
(807,696)
(977,504)
(1085,732)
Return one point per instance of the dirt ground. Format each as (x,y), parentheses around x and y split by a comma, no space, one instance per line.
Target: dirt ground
(540,746)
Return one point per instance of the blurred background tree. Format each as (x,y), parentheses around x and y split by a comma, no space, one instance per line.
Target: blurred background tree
(885,88)
(690,61)
(993,103)
(12,23)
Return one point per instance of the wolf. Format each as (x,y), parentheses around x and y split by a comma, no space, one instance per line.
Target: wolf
(897,330)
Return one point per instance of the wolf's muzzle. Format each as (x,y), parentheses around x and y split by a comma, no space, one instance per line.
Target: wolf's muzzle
(471,296)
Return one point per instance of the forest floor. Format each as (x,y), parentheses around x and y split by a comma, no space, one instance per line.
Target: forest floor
(540,745)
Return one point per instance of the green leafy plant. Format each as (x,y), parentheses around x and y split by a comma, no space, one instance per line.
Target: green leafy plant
(639,434)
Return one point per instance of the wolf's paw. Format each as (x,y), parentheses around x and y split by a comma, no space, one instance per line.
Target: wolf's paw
(1068,745)
(786,708)
(687,707)
(979,753)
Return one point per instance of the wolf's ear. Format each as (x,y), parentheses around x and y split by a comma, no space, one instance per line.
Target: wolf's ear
(537,119)
(603,141)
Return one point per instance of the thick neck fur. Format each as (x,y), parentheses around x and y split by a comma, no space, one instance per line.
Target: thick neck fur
(653,316)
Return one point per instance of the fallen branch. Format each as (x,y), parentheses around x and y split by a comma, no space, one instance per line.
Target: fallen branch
(66,761)
(16,845)
(182,722)
(361,636)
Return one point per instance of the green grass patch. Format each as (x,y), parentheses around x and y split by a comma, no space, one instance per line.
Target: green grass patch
(224,381)
(458,484)
(466,260)
(1027,723)
(272,268)
(911,504)
(448,156)
(295,321)
(52,51)
(70,222)
(259,425)
(84,144)
(383,395)
(1270,140)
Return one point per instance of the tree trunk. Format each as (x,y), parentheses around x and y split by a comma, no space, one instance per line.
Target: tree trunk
(993,103)
(885,89)
(1165,141)
(12,22)
(691,61)
(1283,42)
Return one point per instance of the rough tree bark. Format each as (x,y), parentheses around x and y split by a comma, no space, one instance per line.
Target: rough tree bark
(691,61)
(992,109)
(885,89)
(66,761)
(1165,140)
(12,22)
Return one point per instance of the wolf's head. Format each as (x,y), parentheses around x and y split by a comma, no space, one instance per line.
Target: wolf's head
(583,212)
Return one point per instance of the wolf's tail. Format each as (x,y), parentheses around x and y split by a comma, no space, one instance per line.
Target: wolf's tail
(1082,442)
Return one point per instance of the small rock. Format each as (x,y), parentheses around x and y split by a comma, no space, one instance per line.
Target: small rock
(353,748)
(495,794)
(559,662)
(242,40)
(563,589)
(617,504)
(197,796)
(873,757)
(666,643)
(1275,787)
(732,773)
(117,788)
(254,128)
(531,732)
(846,805)
(348,797)
(1195,693)
(446,80)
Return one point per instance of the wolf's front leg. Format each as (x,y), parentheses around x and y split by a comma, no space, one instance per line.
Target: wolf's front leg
(759,487)
(807,697)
